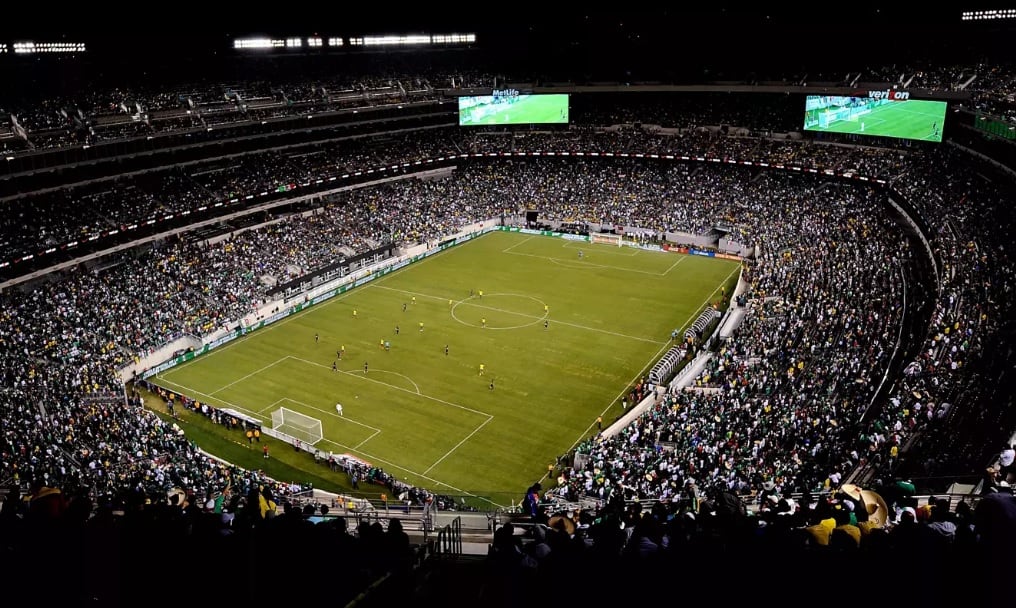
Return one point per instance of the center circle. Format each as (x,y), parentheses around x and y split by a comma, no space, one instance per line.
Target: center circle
(488,306)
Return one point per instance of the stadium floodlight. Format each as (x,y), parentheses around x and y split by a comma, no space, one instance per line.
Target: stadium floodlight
(356,42)
(27,48)
(1004,13)
(3,48)
(252,43)
(395,40)
(314,42)
(452,38)
(294,43)
(335,41)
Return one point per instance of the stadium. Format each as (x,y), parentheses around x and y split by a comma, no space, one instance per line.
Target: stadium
(421,309)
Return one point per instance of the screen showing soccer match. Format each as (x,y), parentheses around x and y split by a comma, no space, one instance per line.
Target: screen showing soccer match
(513,109)
(883,113)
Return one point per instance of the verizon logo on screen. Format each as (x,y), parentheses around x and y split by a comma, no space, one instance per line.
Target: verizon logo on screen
(889,94)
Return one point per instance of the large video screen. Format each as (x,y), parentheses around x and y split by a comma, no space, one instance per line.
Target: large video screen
(882,113)
(513,109)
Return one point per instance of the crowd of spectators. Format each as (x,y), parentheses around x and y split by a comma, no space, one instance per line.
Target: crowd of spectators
(825,296)
(56,218)
(202,287)
(95,114)
(783,404)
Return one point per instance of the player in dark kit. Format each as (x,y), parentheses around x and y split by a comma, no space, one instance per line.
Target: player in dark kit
(365,367)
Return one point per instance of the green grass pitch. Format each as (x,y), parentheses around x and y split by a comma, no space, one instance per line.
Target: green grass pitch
(527,109)
(431,418)
(912,119)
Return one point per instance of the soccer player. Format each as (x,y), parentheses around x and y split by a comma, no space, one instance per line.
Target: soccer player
(421,325)
(481,293)
(403,307)
(581,254)
(365,367)
(316,338)
(491,384)
(546,309)
(483,322)
(338,409)
(414,299)
(481,369)
(446,350)
(354,313)
(388,346)
(382,344)
(546,324)
(335,366)
(396,330)
(449,303)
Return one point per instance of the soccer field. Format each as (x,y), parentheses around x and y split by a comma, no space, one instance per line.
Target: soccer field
(913,119)
(561,338)
(525,109)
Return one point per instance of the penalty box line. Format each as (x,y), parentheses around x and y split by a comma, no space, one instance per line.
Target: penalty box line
(490,417)
(398,388)
(253,373)
(601,248)
(391,465)
(192,391)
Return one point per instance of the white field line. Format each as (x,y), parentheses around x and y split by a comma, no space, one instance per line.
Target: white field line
(694,313)
(579,264)
(465,439)
(679,260)
(376,430)
(253,373)
(261,331)
(630,252)
(278,324)
(522,314)
(398,388)
(392,465)
(265,409)
(510,247)
(191,392)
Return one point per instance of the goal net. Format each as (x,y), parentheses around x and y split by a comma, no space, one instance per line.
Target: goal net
(297,425)
(609,239)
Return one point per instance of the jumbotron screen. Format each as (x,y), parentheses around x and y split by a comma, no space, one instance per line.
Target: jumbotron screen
(513,109)
(882,113)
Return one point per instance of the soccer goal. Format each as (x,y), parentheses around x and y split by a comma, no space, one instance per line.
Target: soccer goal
(610,239)
(297,425)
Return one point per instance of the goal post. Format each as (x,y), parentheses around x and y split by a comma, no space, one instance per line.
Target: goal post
(296,425)
(609,239)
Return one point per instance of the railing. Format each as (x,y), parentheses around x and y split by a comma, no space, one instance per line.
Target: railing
(446,545)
